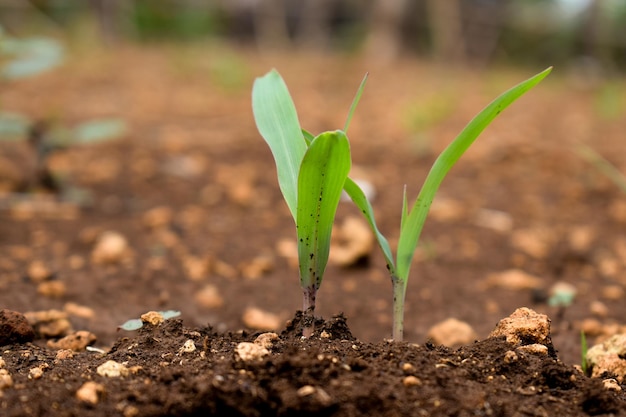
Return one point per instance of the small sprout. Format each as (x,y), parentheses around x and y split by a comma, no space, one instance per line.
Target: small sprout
(312,170)
(136,324)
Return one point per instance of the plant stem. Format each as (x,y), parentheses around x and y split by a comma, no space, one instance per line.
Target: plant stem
(309,294)
(399,292)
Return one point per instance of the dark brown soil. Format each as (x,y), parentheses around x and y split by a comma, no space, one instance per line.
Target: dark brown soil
(219,244)
(333,375)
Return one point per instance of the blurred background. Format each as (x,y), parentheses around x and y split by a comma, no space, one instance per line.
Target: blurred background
(589,35)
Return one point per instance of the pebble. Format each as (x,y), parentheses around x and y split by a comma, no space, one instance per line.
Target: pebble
(533,242)
(250,351)
(209,297)
(38,272)
(51,289)
(14,328)
(607,357)
(111,247)
(352,241)
(499,221)
(613,292)
(452,332)
(266,340)
(513,279)
(611,384)
(411,381)
(112,369)
(524,327)
(78,310)
(158,217)
(535,348)
(90,392)
(76,342)
(49,323)
(255,318)
(599,309)
(257,267)
(6,380)
(152,317)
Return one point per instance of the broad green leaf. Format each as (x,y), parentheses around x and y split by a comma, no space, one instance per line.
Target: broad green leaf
(358,197)
(323,172)
(414,222)
(277,121)
(95,131)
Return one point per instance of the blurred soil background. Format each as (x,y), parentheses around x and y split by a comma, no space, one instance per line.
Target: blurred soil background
(183,212)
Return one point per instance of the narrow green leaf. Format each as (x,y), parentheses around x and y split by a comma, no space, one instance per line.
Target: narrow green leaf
(413,224)
(95,131)
(308,137)
(277,121)
(358,197)
(355,102)
(323,172)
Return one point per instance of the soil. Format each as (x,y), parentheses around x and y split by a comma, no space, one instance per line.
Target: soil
(188,199)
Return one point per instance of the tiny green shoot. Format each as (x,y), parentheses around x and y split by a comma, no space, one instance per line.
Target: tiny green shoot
(583,349)
(136,324)
(602,165)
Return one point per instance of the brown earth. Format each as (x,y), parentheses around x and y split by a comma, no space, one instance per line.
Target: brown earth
(192,192)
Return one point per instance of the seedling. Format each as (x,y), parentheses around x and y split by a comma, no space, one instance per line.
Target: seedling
(311,175)
(277,122)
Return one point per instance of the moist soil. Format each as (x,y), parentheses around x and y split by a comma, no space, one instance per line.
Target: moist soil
(191,189)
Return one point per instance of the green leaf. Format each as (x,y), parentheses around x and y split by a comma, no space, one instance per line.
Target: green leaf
(323,172)
(414,222)
(277,121)
(355,102)
(13,126)
(359,198)
(95,131)
(31,56)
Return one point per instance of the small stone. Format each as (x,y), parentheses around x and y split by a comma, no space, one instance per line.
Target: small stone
(250,351)
(36,373)
(196,268)
(2,362)
(209,297)
(64,354)
(534,242)
(407,367)
(188,347)
(581,238)
(592,327)
(613,292)
(266,340)
(452,332)
(51,289)
(49,323)
(411,381)
(510,357)
(499,221)
(158,217)
(76,342)
(305,391)
(152,317)
(110,248)
(14,328)
(598,308)
(445,209)
(255,318)
(38,272)
(90,392)
(257,267)
(351,242)
(112,369)
(607,357)
(77,310)
(6,381)
(611,384)
(524,327)
(534,348)
(513,279)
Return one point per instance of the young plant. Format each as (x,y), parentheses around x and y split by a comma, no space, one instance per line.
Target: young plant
(311,176)
(412,221)
(303,188)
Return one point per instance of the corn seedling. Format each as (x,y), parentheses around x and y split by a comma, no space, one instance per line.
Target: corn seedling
(312,170)
(311,175)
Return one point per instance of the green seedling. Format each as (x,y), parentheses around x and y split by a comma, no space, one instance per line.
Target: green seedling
(311,175)
(584,365)
(412,221)
(302,169)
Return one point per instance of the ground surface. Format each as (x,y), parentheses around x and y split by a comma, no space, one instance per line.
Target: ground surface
(192,190)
